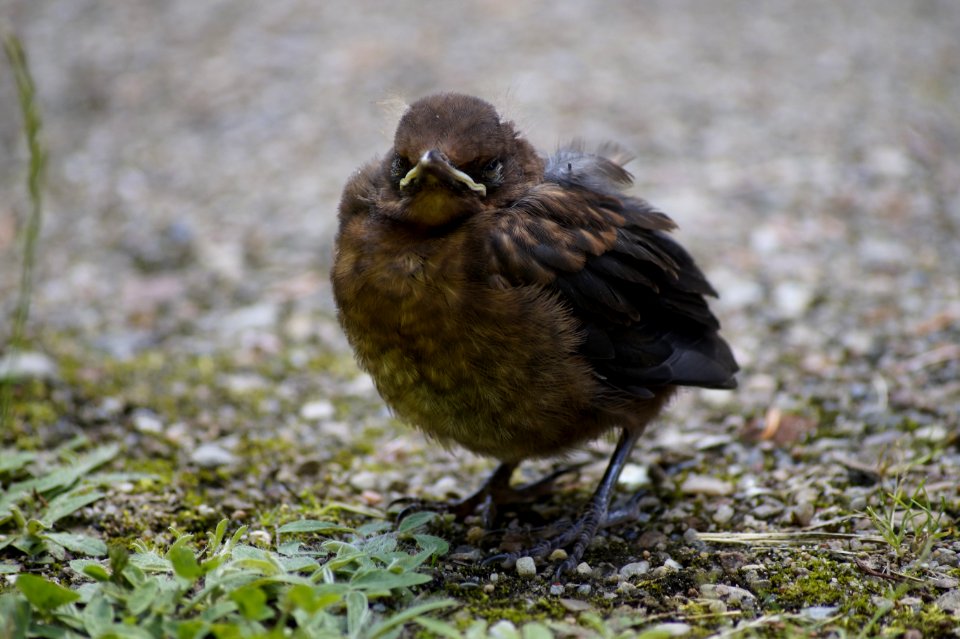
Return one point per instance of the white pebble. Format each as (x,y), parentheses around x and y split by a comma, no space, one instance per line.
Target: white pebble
(635,568)
(526,567)
(634,476)
(704,485)
(319,409)
(723,514)
(146,421)
(27,365)
(210,454)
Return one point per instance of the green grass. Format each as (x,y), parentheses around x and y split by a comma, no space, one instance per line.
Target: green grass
(311,578)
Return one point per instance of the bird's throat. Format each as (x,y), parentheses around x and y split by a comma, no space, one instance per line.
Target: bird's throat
(438,207)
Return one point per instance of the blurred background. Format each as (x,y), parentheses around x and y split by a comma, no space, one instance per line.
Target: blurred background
(808,150)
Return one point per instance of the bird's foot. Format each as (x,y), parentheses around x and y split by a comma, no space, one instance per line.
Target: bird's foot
(572,537)
(495,492)
(479,503)
(576,536)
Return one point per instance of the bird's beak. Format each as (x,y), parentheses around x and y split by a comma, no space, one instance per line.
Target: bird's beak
(432,163)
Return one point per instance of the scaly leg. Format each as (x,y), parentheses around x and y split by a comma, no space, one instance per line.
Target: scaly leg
(578,534)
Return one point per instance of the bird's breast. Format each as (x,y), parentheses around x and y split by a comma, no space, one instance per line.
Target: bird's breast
(491,368)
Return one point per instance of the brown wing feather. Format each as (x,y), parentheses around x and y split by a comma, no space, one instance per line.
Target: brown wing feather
(638,294)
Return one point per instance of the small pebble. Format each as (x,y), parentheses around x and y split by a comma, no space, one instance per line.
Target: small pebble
(634,476)
(792,298)
(475,534)
(634,569)
(526,567)
(364,480)
(945,582)
(574,605)
(767,510)
(316,410)
(260,537)
(802,513)
(583,568)
(556,589)
(670,563)
(204,510)
(704,485)
(558,555)
(584,589)
(27,365)
(210,454)
(950,601)
(819,613)
(670,629)
(723,514)
(146,421)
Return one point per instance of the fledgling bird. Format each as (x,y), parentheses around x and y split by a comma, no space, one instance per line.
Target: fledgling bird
(515,305)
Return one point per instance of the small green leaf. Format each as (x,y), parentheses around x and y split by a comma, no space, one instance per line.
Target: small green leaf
(416,520)
(438,627)
(252,602)
(143,596)
(90,546)
(64,477)
(8,568)
(12,459)
(190,629)
(409,614)
(119,559)
(184,563)
(381,580)
(69,503)
(44,595)
(358,613)
(310,599)
(216,538)
(535,630)
(380,545)
(96,572)
(97,616)
(150,561)
(312,525)
(15,611)
(431,544)
(35,527)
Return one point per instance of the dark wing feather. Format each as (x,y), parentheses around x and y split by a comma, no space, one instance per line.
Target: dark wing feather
(637,292)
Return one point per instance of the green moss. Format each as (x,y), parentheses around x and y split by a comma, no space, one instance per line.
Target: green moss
(929,620)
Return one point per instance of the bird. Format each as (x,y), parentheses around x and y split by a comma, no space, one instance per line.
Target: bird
(518,305)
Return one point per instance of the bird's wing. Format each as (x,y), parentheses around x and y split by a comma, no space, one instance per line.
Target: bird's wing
(638,294)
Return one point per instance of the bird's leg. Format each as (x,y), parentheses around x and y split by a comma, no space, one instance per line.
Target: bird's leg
(495,491)
(629,511)
(543,486)
(487,496)
(593,515)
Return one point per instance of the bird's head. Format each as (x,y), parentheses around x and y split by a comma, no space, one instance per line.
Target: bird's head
(454,156)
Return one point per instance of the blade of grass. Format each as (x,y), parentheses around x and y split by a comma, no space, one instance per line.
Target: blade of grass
(32,125)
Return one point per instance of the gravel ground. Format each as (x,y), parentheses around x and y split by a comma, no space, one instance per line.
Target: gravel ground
(810,152)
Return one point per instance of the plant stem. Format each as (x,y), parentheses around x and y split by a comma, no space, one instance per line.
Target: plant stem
(32,125)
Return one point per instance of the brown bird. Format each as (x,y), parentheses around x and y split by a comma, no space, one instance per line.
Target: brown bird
(515,305)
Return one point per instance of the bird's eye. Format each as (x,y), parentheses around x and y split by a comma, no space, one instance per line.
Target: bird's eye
(399,167)
(492,173)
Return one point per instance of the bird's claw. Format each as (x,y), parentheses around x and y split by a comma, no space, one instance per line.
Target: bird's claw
(578,534)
